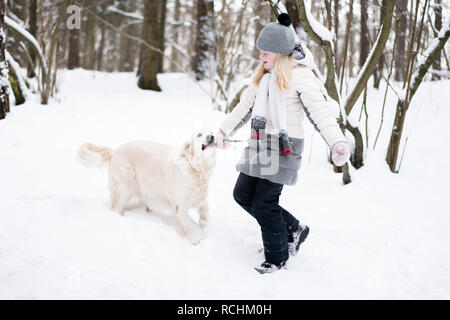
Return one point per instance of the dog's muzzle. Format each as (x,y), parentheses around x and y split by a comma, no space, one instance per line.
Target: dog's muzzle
(209,141)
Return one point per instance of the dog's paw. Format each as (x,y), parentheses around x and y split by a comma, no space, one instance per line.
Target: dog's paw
(195,237)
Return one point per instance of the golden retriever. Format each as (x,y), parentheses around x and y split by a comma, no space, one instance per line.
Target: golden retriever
(160,177)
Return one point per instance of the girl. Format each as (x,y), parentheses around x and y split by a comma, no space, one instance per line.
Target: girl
(282,92)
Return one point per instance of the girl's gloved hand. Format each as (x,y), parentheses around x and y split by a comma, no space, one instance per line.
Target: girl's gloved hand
(340,153)
(220,139)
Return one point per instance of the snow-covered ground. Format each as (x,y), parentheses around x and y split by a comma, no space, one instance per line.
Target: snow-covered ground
(382,236)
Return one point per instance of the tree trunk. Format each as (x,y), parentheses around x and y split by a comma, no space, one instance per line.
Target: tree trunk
(329,17)
(203,62)
(336,29)
(18,95)
(89,42)
(162,14)
(370,65)
(149,59)
(19,8)
(101,47)
(175,56)
(402,104)
(73,60)
(330,84)
(128,47)
(33,30)
(352,57)
(262,11)
(364,43)
(292,11)
(379,69)
(345,50)
(437,26)
(402,13)
(4,81)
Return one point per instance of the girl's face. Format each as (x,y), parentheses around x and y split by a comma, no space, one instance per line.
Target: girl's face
(268,58)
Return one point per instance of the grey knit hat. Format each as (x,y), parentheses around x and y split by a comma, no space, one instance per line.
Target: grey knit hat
(277,37)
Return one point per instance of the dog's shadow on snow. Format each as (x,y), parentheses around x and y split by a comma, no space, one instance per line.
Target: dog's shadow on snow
(166,218)
(141,214)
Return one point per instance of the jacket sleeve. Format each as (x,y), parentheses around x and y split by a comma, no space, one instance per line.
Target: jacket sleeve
(318,110)
(241,112)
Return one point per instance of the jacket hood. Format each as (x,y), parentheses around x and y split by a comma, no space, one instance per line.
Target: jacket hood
(307,61)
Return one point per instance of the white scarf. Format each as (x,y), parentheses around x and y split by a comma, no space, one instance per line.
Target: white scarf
(277,102)
(277,108)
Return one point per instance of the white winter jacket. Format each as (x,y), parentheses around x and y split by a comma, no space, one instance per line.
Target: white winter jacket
(303,97)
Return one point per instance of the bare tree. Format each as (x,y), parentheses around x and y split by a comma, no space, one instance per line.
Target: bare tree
(402,13)
(291,8)
(128,52)
(374,56)
(162,27)
(413,82)
(33,28)
(378,72)
(204,62)
(437,27)
(362,78)
(89,38)
(364,43)
(176,30)
(346,45)
(73,60)
(4,81)
(336,31)
(149,59)
(262,12)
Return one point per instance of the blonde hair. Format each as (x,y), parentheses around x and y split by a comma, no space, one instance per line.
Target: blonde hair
(283,70)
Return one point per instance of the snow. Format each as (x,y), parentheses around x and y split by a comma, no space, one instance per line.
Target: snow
(318,28)
(382,236)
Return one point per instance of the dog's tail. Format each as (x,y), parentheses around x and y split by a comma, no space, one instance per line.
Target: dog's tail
(91,155)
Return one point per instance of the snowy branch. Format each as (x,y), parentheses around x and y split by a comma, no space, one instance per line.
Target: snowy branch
(28,37)
(184,53)
(19,75)
(371,62)
(437,44)
(131,15)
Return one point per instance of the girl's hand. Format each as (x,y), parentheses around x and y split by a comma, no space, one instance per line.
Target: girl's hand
(220,139)
(340,153)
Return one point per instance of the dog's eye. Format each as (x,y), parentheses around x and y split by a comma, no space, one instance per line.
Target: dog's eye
(199,135)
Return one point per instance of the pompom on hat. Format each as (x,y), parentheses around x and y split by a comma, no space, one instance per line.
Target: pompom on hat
(278,37)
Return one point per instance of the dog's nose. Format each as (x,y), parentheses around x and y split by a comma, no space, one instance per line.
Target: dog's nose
(210,138)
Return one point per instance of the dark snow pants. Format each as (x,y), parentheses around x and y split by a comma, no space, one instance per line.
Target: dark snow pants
(260,197)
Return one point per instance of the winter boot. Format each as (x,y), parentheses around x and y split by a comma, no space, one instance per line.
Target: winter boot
(297,238)
(267,267)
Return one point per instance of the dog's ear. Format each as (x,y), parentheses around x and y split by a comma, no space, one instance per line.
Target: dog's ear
(188,151)
(185,150)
